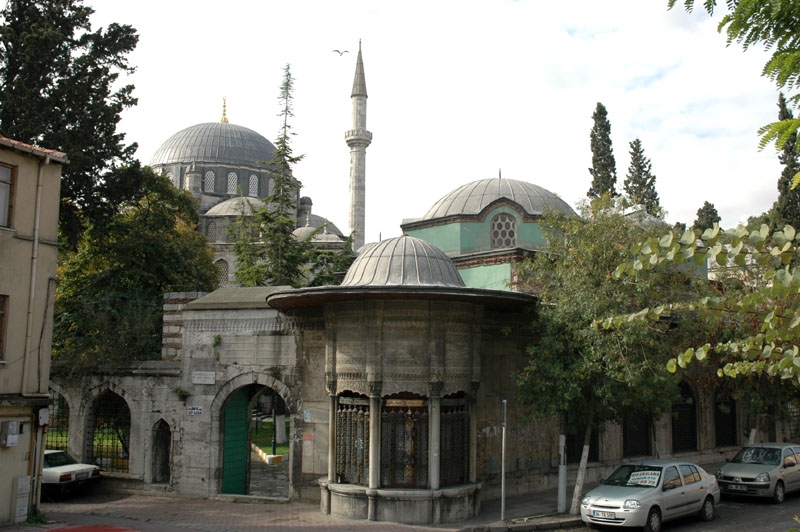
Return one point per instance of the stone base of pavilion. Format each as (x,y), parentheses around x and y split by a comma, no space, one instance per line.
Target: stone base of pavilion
(409,506)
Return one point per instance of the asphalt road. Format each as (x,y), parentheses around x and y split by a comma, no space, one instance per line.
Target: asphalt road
(746,515)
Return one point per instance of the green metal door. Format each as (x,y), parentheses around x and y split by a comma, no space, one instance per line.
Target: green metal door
(235,448)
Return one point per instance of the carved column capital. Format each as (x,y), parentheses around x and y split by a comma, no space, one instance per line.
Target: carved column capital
(330,384)
(435,388)
(375,388)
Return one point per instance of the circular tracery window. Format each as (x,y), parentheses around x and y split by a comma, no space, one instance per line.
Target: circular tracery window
(504,231)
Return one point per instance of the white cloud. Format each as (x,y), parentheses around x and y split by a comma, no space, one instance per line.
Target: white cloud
(459,90)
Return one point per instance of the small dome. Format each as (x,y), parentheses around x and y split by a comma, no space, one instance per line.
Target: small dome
(402,261)
(472,198)
(236,207)
(215,143)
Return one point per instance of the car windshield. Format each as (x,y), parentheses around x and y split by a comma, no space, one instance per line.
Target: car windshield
(58,459)
(635,475)
(758,455)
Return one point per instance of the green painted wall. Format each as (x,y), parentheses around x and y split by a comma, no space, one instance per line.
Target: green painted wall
(469,237)
(494,277)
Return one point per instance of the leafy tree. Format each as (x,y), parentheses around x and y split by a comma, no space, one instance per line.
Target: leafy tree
(765,312)
(59,88)
(594,374)
(110,292)
(640,183)
(707,216)
(787,208)
(773,24)
(604,167)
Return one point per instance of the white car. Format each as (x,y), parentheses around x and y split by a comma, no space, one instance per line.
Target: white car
(644,494)
(62,473)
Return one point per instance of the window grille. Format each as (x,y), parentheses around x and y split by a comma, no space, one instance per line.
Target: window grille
(636,435)
(725,421)
(211,231)
(504,231)
(404,443)
(253,186)
(352,440)
(684,421)
(208,183)
(222,270)
(109,430)
(233,181)
(454,442)
(58,429)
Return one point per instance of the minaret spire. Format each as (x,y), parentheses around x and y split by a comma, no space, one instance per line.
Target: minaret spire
(224,118)
(358,138)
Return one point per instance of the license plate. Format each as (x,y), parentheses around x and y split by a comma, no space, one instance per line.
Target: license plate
(737,487)
(81,476)
(603,515)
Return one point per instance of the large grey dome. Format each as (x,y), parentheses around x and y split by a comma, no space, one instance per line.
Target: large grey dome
(215,143)
(472,198)
(402,261)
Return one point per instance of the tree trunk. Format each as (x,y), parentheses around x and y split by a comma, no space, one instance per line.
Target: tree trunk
(576,494)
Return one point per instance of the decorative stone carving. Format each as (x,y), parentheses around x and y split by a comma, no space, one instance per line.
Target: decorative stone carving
(375,388)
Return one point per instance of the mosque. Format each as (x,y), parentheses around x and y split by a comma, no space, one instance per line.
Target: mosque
(391,383)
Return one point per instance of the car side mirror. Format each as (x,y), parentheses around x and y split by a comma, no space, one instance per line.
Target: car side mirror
(668,487)
(789,464)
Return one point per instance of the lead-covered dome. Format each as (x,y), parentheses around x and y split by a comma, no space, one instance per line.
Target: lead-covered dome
(215,143)
(471,199)
(403,261)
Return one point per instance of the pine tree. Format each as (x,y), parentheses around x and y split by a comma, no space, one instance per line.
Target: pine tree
(640,183)
(787,208)
(604,167)
(707,216)
(280,259)
(59,88)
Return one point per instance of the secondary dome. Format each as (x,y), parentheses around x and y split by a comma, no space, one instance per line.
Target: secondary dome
(402,261)
(237,206)
(472,198)
(215,142)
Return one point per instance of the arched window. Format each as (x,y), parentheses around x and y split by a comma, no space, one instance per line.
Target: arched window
(222,271)
(161,449)
(504,231)
(684,421)
(725,420)
(208,183)
(253,186)
(109,433)
(211,231)
(233,181)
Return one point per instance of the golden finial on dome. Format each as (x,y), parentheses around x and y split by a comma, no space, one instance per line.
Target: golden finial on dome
(224,118)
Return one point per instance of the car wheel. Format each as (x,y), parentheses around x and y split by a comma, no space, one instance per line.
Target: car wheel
(653,521)
(780,493)
(707,511)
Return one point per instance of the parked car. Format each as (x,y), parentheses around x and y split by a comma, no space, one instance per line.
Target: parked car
(762,470)
(61,473)
(647,493)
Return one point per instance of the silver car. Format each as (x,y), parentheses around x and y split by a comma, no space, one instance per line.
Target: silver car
(762,470)
(644,494)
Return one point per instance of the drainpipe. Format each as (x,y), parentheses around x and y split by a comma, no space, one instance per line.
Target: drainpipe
(32,292)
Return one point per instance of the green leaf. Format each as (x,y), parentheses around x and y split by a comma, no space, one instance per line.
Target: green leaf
(688,237)
(666,240)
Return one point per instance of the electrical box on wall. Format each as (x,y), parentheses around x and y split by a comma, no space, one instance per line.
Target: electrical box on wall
(44,416)
(9,433)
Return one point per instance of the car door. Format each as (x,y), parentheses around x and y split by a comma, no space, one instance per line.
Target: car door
(694,490)
(791,470)
(672,495)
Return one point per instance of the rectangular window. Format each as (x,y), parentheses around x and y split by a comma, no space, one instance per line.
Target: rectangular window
(3,320)
(6,195)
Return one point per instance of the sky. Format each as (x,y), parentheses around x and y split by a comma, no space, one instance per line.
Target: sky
(463,90)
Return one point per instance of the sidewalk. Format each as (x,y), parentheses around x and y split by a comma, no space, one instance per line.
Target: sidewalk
(535,511)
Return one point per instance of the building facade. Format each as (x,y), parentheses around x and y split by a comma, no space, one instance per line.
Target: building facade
(30,184)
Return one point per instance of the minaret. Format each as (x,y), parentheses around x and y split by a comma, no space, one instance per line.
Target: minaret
(358,138)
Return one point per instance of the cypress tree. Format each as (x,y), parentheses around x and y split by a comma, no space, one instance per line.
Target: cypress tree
(787,208)
(707,216)
(640,183)
(604,167)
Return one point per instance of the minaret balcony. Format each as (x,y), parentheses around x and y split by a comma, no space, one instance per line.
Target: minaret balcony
(358,135)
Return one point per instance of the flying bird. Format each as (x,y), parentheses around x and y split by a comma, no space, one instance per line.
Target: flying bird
(342,52)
